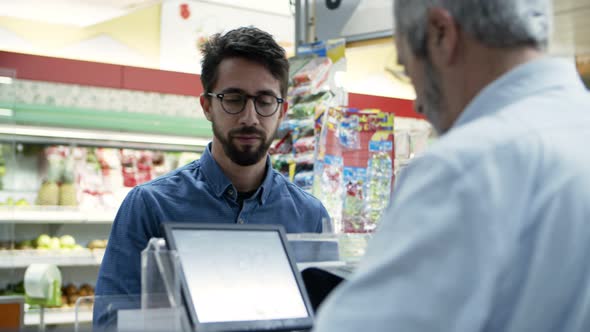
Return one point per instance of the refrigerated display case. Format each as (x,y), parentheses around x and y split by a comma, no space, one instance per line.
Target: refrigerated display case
(63,173)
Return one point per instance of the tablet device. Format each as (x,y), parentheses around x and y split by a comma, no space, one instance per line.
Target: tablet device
(239,277)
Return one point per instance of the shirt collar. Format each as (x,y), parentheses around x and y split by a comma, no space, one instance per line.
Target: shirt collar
(524,80)
(221,184)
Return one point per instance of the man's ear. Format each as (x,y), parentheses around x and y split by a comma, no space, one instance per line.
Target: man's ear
(443,37)
(206,105)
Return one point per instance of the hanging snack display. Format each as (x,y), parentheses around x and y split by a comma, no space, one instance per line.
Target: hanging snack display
(353,218)
(329,187)
(292,152)
(304,180)
(363,142)
(379,178)
(311,78)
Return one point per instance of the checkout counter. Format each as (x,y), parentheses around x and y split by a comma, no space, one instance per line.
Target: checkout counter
(322,261)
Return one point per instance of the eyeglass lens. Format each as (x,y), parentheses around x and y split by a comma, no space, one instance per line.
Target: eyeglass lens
(235,103)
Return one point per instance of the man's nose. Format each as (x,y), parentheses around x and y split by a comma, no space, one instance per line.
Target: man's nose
(248,116)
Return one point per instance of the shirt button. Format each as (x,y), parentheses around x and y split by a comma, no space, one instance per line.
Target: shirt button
(230,192)
(240,221)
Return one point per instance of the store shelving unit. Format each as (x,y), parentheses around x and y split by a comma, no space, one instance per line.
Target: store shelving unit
(12,259)
(86,137)
(28,222)
(57,316)
(75,258)
(54,215)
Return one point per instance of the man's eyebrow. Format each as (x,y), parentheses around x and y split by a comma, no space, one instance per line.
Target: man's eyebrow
(266,92)
(232,90)
(259,92)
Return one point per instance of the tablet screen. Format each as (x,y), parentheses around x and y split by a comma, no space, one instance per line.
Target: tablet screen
(238,275)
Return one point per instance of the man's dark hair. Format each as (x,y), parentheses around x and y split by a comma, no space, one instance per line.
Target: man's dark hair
(248,43)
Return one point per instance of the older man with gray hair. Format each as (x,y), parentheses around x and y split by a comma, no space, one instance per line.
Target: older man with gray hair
(490,229)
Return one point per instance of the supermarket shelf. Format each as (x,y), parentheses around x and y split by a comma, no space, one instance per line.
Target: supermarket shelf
(58,316)
(10,259)
(103,138)
(303,266)
(55,215)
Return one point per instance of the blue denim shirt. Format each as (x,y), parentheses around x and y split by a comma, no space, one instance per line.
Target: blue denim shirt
(197,192)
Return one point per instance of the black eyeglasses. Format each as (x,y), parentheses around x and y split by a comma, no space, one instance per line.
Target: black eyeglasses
(235,102)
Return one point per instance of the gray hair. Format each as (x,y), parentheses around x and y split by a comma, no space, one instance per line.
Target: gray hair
(495,23)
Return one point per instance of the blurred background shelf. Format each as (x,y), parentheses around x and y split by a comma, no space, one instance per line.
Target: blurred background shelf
(55,214)
(54,316)
(102,138)
(11,259)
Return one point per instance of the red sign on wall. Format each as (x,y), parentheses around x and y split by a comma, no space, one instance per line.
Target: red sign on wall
(185,11)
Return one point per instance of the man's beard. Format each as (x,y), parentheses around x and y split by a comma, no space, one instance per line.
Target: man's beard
(248,155)
(432,102)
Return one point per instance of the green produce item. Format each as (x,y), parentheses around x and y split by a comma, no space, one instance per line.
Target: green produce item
(54,243)
(67,190)
(22,202)
(49,192)
(67,241)
(43,241)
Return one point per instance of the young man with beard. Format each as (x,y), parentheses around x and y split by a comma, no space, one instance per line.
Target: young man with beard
(245,77)
(490,229)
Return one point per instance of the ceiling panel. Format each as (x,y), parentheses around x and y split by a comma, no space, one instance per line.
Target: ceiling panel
(84,13)
(571,36)
(79,13)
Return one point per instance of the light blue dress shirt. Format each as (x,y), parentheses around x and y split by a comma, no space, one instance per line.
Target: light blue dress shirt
(490,229)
